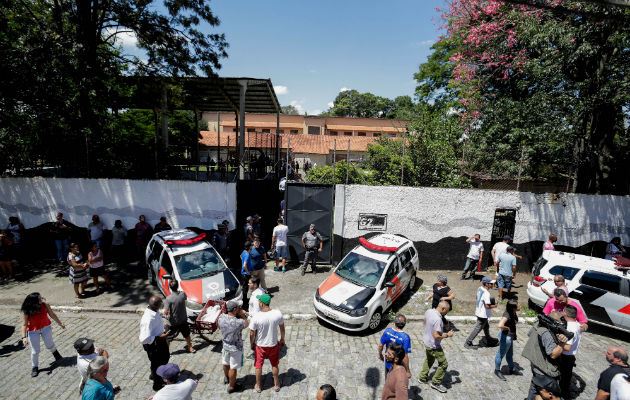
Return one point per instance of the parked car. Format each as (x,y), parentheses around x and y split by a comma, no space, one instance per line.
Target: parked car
(366,282)
(187,257)
(601,287)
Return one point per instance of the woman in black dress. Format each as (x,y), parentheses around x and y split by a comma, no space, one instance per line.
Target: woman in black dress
(441,292)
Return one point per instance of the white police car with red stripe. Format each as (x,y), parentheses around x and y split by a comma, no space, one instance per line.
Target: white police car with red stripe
(187,257)
(366,282)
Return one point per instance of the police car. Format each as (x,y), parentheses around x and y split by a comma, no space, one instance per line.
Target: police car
(188,258)
(366,282)
(601,287)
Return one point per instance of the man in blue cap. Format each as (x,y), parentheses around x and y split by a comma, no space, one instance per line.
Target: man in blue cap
(482,311)
(174,388)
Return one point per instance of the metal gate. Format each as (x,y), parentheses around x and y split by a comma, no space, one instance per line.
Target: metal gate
(309,204)
(504,224)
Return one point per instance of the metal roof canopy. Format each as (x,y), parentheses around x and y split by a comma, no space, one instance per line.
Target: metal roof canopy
(204,94)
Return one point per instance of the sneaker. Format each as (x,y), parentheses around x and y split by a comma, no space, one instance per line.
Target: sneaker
(499,375)
(34,372)
(437,387)
(423,381)
(515,372)
(303,271)
(470,346)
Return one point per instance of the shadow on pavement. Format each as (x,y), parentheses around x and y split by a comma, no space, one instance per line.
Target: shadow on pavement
(607,331)
(373,379)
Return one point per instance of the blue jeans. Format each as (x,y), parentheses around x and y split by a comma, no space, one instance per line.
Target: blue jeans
(506,349)
(62,248)
(470,266)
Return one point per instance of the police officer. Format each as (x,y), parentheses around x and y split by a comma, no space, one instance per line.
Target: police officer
(312,242)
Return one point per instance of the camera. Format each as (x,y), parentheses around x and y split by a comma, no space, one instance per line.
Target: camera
(555,327)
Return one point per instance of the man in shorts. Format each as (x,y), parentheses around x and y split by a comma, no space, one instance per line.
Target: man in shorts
(507,270)
(231,326)
(263,337)
(279,242)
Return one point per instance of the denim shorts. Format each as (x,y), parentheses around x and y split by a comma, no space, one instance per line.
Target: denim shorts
(281,252)
(504,281)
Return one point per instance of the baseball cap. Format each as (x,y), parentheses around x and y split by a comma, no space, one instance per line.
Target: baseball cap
(232,304)
(248,219)
(168,371)
(265,298)
(256,216)
(509,248)
(485,280)
(507,237)
(83,344)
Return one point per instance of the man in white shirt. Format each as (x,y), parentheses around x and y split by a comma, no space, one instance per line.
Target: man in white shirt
(500,248)
(256,290)
(567,359)
(86,353)
(279,242)
(263,338)
(482,311)
(474,256)
(95,230)
(174,389)
(153,339)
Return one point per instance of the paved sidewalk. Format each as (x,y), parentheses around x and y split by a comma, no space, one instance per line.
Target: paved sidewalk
(315,354)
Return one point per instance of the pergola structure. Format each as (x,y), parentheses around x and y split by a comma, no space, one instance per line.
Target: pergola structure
(238,95)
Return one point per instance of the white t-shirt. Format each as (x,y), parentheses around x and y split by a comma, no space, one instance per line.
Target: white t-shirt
(181,390)
(266,326)
(499,248)
(619,388)
(83,361)
(574,326)
(483,298)
(254,305)
(280,232)
(96,230)
(475,249)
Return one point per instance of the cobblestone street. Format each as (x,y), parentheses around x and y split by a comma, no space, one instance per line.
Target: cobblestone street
(315,354)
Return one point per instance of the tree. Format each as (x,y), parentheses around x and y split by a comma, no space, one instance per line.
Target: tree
(324,174)
(549,75)
(289,110)
(350,103)
(63,67)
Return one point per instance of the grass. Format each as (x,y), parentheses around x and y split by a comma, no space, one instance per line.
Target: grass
(528,312)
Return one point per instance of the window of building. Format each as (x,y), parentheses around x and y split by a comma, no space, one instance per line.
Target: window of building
(376,134)
(332,133)
(314,130)
(251,129)
(392,135)
(294,131)
(361,134)
(234,130)
(347,133)
(266,130)
(280,130)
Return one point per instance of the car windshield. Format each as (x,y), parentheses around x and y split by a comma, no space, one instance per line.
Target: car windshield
(360,269)
(198,264)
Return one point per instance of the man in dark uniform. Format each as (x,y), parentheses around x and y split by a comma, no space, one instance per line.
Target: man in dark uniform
(312,242)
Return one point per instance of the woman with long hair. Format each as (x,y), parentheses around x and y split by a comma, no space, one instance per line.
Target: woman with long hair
(78,270)
(507,336)
(94,383)
(35,323)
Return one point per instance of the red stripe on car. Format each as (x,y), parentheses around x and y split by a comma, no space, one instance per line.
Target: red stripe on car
(332,281)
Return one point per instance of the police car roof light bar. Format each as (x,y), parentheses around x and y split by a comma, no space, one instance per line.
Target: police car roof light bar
(185,241)
(376,247)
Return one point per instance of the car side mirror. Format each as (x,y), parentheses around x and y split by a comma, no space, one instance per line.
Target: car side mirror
(167,276)
(389,284)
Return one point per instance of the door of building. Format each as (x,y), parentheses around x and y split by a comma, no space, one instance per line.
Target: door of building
(307,204)
(504,224)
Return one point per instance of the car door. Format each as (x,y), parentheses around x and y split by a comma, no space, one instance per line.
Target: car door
(601,297)
(165,268)
(154,251)
(393,276)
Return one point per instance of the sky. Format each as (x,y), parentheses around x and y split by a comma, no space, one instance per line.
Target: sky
(311,50)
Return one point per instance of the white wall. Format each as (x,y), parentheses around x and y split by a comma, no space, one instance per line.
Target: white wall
(431,214)
(184,203)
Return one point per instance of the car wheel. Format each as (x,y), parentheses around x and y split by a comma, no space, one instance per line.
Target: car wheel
(151,275)
(375,319)
(412,281)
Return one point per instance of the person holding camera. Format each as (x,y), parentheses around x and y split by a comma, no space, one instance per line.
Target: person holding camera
(231,326)
(312,242)
(543,349)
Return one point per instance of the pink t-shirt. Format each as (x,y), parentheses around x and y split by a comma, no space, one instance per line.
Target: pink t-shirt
(552,304)
(548,245)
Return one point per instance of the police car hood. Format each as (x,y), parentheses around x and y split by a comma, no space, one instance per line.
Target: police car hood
(221,286)
(339,292)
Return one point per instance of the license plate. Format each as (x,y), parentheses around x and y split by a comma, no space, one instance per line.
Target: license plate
(329,314)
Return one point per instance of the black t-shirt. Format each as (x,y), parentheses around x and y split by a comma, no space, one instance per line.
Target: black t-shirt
(609,373)
(438,293)
(511,323)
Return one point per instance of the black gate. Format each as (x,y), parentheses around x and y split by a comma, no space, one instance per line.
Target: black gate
(504,223)
(309,204)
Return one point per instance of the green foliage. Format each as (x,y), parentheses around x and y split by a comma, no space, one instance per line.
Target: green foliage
(351,103)
(289,110)
(324,174)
